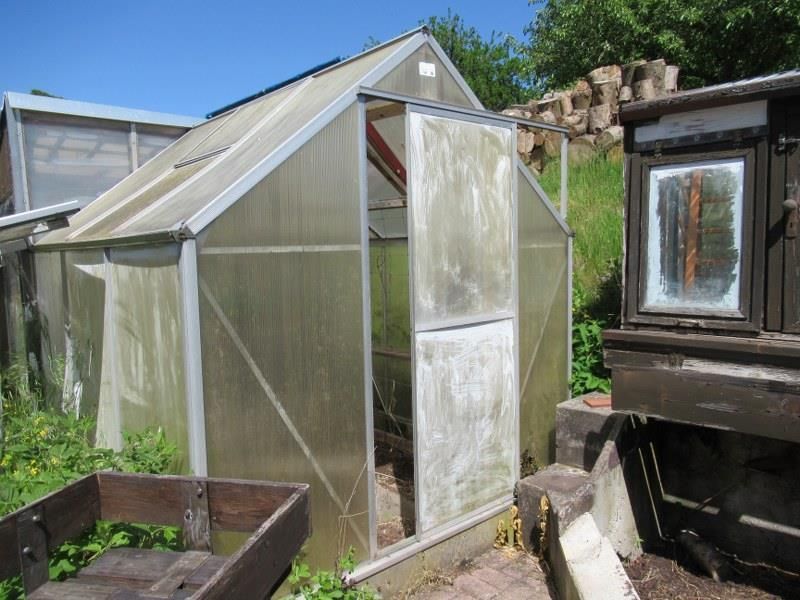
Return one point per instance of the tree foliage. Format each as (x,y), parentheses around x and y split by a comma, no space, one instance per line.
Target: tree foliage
(712,41)
(494,68)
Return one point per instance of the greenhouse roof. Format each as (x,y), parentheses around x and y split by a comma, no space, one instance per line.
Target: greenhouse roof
(179,192)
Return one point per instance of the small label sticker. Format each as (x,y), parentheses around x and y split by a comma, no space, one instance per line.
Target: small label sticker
(427,69)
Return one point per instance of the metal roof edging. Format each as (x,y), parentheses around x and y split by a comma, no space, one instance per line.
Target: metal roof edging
(40,214)
(206,215)
(473,112)
(78,108)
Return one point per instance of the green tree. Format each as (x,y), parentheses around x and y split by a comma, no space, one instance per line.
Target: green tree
(495,69)
(711,40)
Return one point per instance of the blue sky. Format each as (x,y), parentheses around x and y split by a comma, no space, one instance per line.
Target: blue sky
(192,57)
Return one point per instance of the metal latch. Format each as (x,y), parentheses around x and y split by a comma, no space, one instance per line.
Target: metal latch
(784,141)
(791,211)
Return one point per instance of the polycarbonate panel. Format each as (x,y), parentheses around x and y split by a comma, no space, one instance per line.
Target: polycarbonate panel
(151,140)
(6,182)
(312,99)
(148,331)
(51,304)
(389,223)
(243,120)
(378,186)
(462,217)
(73,159)
(133,184)
(543,322)
(435,84)
(391,335)
(135,206)
(465,421)
(282,335)
(87,364)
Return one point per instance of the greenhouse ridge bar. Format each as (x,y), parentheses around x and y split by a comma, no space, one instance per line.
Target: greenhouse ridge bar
(350,282)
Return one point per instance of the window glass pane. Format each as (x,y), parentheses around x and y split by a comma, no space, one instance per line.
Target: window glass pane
(73,159)
(694,236)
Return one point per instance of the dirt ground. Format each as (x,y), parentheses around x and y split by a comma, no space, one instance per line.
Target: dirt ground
(659,578)
(394,476)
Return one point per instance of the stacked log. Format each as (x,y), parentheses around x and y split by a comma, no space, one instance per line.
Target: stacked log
(590,111)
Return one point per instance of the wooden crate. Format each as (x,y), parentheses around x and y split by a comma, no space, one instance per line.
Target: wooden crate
(276,514)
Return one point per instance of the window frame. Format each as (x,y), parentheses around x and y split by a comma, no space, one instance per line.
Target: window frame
(748,316)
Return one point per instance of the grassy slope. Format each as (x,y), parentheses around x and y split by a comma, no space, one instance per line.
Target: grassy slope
(595,214)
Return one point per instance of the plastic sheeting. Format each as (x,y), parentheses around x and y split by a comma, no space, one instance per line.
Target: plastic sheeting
(460,185)
(282,332)
(465,423)
(462,242)
(543,321)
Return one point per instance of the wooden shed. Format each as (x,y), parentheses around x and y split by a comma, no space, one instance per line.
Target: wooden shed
(711,311)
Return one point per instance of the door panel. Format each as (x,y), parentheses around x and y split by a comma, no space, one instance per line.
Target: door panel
(462,258)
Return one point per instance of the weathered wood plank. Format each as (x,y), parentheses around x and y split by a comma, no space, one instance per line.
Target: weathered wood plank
(171,580)
(32,548)
(64,514)
(258,566)
(239,505)
(764,350)
(196,526)
(204,572)
(234,505)
(133,568)
(705,400)
(72,589)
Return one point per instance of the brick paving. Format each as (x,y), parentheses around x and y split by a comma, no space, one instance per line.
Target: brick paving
(498,574)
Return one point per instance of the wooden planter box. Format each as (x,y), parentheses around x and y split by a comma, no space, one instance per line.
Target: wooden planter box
(277,515)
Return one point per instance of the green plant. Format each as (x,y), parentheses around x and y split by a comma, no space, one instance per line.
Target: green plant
(43,449)
(568,38)
(328,585)
(588,372)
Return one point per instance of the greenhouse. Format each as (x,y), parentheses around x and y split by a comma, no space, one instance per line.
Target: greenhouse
(350,281)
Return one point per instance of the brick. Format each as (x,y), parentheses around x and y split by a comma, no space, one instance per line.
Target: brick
(497,579)
(473,587)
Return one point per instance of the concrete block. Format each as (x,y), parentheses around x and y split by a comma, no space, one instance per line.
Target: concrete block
(581,432)
(592,565)
(570,494)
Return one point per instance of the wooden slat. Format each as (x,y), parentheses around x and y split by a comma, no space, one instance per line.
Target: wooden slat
(173,578)
(64,514)
(385,111)
(237,505)
(72,589)
(707,399)
(130,567)
(196,527)
(258,566)
(204,572)
(32,548)
(234,504)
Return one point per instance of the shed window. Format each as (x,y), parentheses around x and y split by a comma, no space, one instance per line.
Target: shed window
(694,236)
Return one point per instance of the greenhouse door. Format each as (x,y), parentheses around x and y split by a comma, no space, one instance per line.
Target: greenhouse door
(463,279)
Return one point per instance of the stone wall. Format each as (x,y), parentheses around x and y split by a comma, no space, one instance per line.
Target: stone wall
(590,110)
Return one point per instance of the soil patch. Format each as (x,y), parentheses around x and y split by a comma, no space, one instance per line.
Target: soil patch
(660,578)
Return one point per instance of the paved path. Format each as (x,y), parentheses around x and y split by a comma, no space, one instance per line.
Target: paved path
(498,574)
